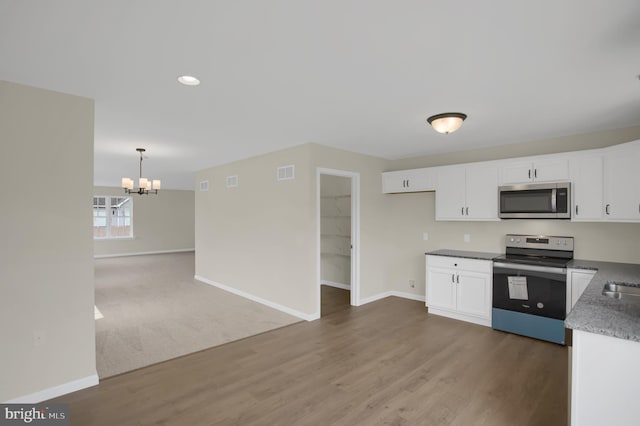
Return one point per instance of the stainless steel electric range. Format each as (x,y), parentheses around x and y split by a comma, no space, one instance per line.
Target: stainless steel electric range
(530,286)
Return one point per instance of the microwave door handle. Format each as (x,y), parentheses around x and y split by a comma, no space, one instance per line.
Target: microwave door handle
(554,207)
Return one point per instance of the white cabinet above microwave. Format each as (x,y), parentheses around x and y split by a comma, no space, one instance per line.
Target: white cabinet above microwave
(467,193)
(551,170)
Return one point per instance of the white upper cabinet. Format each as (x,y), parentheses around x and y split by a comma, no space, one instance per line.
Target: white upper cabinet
(415,180)
(467,193)
(482,192)
(605,183)
(622,184)
(587,175)
(451,196)
(543,170)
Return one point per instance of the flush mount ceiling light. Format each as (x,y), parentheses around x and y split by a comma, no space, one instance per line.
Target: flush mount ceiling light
(188,80)
(146,186)
(447,122)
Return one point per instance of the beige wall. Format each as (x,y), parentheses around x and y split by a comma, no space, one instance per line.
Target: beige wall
(374,229)
(259,237)
(46,278)
(162,222)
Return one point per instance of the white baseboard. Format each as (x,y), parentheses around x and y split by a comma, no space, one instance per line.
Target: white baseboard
(56,391)
(336,285)
(142,253)
(374,298)
(402,294)
(418,297)
(282,308)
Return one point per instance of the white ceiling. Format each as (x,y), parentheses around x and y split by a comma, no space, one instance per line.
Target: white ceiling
(357,75)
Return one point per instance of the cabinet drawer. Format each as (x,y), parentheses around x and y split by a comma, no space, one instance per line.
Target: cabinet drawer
(459,263)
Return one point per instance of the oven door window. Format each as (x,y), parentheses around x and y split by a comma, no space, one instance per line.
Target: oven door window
(532,292)
(530,201)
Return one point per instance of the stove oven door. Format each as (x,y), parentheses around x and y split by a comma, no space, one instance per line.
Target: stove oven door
(530,289)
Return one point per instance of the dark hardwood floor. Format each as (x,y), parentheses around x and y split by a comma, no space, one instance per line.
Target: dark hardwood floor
(387,362)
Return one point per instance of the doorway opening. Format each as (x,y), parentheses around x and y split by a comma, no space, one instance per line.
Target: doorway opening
(338,226)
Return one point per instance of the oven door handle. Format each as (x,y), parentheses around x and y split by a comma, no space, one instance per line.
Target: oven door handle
(530,267)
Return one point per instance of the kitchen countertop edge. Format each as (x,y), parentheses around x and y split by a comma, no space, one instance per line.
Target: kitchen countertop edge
(478,255)
(599,314)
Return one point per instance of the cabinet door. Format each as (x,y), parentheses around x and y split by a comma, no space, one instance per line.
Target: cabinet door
(516,173)
(394,182)
(622,174)
(409,181)
(473,293)
(450,193)
(579,280)
(588,188)
(482,193)
(551,170)
(441,288)
(421,180)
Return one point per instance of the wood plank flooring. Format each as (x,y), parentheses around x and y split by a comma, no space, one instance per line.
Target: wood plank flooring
(387,362)
(333,299)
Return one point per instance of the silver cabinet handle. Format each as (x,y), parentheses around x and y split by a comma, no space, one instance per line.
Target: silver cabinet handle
(408,183)
(606,209)
(467,211)
(529,173)
(535,173)
(458,279)
(453,278)
(462,211)
(576,210)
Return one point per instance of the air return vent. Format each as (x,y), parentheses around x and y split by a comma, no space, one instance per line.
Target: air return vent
(286,172)
(204,185)
(232,181)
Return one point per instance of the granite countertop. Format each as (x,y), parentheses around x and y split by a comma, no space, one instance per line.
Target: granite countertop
(600,314)
(480,255)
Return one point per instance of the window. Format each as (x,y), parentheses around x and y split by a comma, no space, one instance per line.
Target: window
(112,217)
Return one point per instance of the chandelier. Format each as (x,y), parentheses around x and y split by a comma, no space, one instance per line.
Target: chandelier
(145,186)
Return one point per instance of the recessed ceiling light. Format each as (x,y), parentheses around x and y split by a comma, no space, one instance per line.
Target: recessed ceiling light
(188,80)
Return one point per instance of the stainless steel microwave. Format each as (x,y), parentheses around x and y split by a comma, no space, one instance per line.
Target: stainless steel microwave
(535,201)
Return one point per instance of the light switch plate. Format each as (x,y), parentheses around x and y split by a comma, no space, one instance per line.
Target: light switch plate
(467,238)
(425,236)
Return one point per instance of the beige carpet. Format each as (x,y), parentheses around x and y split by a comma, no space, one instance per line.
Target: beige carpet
(153,310)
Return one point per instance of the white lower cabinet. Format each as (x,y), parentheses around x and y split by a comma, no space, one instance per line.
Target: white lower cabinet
(577,281)
(459,288)
(604,381)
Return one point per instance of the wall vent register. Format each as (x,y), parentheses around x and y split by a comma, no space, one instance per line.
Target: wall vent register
(286,172)
(232,181)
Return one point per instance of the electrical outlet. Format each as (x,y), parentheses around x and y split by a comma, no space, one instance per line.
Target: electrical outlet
(425,236)
(467,238)
(412,283)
